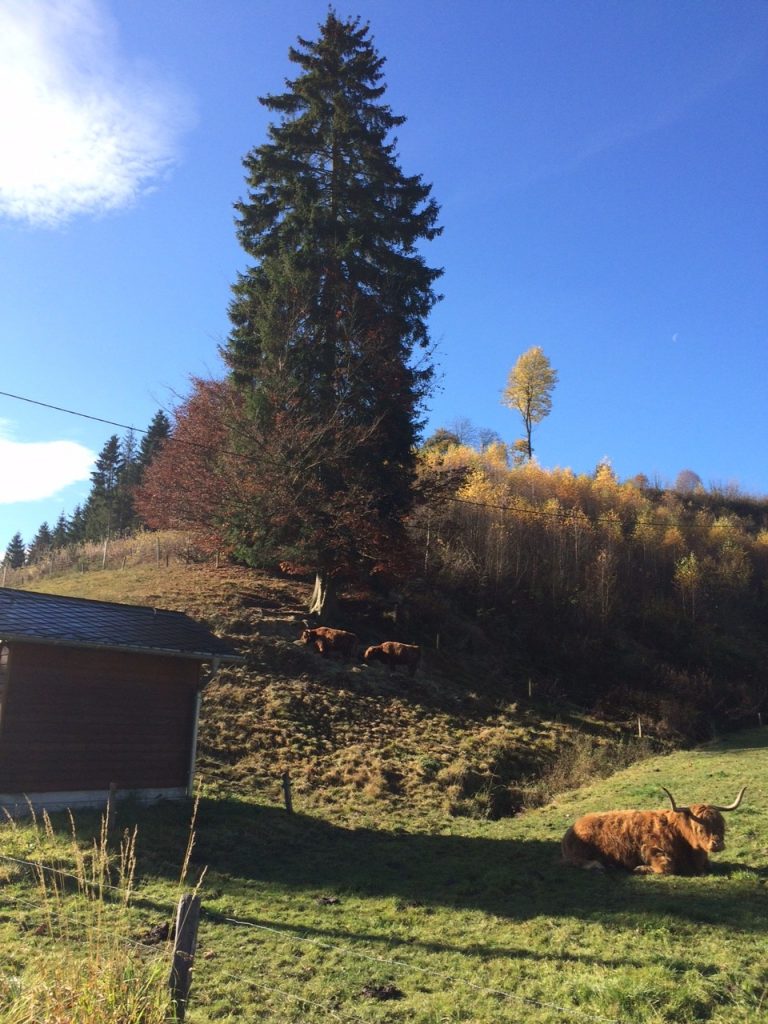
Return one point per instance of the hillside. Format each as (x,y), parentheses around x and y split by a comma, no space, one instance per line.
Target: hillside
(389,896)
(380,916)
(451,740)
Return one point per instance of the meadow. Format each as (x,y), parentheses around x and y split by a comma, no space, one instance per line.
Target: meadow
(377,918)
(401,889)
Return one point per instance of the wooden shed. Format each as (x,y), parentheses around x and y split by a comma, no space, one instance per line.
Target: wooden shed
(93,694)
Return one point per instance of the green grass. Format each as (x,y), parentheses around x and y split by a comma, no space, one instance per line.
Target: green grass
(392,879)
(71,901)
(469,920)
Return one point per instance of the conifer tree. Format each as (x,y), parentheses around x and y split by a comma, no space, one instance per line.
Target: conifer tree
(329,319)
(16,552)
(100,508)
(76,526)
(128,475)
(60,534)
(157,432)
(41,544)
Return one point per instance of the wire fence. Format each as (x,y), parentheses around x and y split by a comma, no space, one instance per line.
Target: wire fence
(251,975)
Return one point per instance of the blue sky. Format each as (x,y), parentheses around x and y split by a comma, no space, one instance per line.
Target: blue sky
(601,167)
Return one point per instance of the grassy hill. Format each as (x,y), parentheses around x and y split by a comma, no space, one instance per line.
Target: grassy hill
(308,918)
(391,895)
(451,740)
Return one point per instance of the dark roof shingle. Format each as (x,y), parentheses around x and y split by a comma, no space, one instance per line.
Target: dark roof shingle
(75,621)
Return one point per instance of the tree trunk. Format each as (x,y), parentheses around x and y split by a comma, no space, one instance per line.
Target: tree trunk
(322,603)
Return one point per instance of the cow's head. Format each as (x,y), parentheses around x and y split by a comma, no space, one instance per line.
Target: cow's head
(705,824)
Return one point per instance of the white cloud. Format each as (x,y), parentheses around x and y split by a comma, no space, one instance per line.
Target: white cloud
(29,472)
(83,130)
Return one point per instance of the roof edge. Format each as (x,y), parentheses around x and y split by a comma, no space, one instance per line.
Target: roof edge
(233,659)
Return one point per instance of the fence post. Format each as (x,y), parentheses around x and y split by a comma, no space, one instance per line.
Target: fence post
(184,946)
(111,807)
(287,792)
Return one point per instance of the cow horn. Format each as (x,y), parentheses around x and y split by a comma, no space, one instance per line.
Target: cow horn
(680,810)
(734,805)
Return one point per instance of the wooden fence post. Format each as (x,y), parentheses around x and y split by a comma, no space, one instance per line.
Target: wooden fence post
(184,946)
(111,807)
(287,792)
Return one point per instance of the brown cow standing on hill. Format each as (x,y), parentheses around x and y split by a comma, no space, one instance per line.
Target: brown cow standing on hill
(327,640)
(393,654)
(676,842)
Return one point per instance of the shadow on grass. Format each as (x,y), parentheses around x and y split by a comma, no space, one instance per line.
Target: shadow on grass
(513,879)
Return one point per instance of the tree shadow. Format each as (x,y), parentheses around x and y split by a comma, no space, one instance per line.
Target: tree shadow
(515,879)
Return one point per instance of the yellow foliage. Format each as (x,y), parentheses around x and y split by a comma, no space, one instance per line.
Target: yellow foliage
(497,454)
(479,488)
(460,456)
(673,538)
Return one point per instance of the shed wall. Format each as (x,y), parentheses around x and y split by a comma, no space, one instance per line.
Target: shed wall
(77,719)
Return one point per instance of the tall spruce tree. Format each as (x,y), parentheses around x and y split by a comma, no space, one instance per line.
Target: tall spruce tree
(16,552)
(157,432)
(329,348)
(76,526)
(41,544)
(101,506)
(60,535)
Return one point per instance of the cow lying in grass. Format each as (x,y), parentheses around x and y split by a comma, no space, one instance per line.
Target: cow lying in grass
(393,654)
(676,842)
(327,640)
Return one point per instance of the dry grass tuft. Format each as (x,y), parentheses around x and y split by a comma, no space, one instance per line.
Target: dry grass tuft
(87,966)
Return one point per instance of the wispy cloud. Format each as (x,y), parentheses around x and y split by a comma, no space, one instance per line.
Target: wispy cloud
(38,470)
(83,130)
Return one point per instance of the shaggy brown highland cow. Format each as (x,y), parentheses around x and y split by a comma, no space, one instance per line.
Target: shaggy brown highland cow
(675,842)
(393,654)
(327,640)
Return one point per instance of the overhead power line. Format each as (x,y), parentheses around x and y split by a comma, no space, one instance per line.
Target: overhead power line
(565,515)
(71,412)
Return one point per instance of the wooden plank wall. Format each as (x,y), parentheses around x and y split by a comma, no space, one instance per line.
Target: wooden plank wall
(77,719)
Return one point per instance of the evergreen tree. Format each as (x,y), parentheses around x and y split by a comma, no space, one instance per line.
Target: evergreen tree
(76,526)
(61,532)
(128,476)
(100,508)
(327,321)
(16,552)
(41,544)
(158,431)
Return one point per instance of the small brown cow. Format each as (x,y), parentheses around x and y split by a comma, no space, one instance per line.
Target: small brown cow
(327,640)
(676,842)
(393,654)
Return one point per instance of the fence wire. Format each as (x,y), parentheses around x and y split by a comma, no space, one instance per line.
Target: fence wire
(444,976)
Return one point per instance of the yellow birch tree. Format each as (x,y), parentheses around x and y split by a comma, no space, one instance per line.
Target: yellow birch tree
(529,390)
